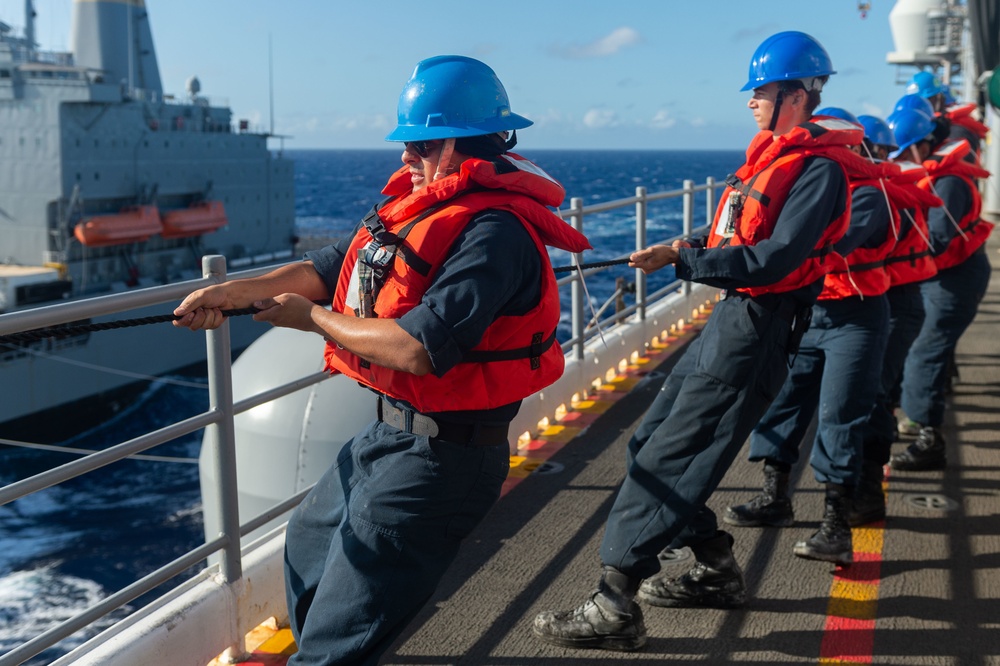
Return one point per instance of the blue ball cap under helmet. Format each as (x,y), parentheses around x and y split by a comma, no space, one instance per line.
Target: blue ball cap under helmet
(453,96)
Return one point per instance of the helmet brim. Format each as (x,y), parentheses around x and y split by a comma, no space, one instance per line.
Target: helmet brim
(509,122)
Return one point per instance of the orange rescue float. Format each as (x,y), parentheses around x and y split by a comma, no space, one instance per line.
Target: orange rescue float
(200,218)
(132,224)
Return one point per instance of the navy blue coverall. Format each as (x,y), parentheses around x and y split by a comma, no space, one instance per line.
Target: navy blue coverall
(951,299)
(721,384)
(906,315)
(837,369)
(368,545)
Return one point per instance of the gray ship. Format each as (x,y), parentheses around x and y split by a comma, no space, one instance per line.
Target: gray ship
(108,184)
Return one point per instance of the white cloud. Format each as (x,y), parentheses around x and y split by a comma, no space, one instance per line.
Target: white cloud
(600,118)
(615,41)
(698,122)
(869,109)
(354,123)
(548,117)
(662,120)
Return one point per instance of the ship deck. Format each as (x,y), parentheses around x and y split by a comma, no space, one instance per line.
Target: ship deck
(924,589)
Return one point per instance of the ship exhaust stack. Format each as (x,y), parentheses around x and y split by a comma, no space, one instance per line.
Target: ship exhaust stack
(114,36)
(29,24)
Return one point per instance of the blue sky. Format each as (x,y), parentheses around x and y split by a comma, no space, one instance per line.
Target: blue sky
(594,74)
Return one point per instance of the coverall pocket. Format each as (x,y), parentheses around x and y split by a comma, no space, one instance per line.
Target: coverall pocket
(731,342)
(474,477)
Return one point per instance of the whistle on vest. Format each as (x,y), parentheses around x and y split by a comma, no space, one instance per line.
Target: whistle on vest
(731,212)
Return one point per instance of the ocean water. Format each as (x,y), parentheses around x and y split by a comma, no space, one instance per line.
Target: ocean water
(64,549)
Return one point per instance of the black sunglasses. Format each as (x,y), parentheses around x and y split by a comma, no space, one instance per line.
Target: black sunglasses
(423,148)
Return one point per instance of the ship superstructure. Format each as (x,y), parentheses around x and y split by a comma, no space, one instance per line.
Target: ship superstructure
(107,183)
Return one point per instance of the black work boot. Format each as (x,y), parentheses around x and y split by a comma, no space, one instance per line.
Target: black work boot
(868,503)
(609,619)
(715,580)
(772,507)
(925,453)
(832,541)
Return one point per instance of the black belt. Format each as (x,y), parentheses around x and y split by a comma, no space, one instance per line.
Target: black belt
(782,307)
(421,424)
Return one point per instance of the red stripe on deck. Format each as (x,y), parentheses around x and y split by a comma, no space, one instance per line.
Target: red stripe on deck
(849,632)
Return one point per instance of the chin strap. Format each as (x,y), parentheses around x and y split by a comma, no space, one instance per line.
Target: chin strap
(778,99)
(444,160)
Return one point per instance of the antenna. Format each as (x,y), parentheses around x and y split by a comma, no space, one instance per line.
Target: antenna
(270,82)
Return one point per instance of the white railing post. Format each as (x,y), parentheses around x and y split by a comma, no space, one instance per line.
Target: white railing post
(709,201)
(221,437)
(688,219)
(576,289)
(640,243)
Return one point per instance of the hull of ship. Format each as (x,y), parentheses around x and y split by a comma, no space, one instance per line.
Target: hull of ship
(55,387)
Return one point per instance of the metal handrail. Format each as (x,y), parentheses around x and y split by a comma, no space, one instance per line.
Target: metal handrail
(218,419)
(581,331)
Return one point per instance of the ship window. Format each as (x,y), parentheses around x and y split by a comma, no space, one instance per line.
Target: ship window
(97,142)
(97,175)
(4,73)
(78,142)
(166,144)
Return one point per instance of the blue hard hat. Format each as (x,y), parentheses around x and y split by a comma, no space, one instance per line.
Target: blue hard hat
(838,112)
(909,126)
(453,96)
(926,85)
(787,56)
(914,101)
(878,131)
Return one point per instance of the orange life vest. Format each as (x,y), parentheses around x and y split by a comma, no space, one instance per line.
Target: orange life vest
(760,188)
(865,273)
(518,355)
(961,114)
(947,161)
(910,260)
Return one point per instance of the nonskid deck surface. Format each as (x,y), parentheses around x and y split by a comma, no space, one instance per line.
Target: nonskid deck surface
(924,589)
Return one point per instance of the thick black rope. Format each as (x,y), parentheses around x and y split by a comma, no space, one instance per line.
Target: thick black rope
(69,330)
(596,264)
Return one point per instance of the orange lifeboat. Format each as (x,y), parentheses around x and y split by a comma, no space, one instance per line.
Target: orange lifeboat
(132,224)
(197,219)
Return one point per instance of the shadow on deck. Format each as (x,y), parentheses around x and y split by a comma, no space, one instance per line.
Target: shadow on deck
(925,588)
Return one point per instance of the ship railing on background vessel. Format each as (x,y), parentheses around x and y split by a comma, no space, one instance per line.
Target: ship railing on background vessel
(218,422)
